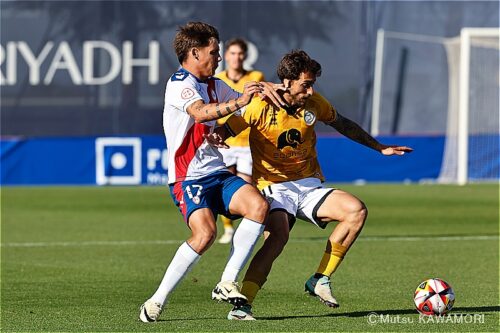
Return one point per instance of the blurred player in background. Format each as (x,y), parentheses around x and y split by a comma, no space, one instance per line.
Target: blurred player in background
(238,158)
(286,170)
(199,182)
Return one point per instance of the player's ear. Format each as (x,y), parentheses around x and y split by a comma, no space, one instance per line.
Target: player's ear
(194,52)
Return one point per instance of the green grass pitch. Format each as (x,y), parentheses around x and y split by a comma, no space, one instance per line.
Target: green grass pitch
(85,258)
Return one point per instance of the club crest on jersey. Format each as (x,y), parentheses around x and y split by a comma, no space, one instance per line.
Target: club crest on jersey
(290,138)
(187,93)
(309,117)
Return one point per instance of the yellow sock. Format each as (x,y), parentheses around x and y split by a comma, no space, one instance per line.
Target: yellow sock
(250,290)
(332,258)
(228,223)
(252,282)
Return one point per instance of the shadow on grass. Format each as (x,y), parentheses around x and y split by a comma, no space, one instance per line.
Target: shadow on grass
(357,314)
(457,310)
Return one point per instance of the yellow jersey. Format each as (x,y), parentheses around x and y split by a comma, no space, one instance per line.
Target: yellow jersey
(241,140)
(283,146)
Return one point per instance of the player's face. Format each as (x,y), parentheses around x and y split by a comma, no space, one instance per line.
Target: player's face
(234,57)
(300,90)
(208,58)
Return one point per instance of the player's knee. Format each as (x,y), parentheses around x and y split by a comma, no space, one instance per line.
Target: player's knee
(280,238)
(358,214)
(277,241)
(204,239)
(258,208)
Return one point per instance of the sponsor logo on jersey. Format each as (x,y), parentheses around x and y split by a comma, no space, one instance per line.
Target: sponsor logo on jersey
(290,138)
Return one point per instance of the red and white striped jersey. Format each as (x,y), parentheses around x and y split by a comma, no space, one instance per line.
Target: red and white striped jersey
(189,155)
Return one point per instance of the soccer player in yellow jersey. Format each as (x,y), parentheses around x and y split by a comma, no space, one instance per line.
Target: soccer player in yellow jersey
(237,158)
(286,170)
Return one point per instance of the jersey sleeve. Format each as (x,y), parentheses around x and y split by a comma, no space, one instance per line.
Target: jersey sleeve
(243,118)
(182,93)
(326,111)
(225,92)
(236,124)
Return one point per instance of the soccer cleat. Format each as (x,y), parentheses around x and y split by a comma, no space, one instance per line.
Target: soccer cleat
(229,291)
(227,237)
(321,288)
(241,313)
(150,311)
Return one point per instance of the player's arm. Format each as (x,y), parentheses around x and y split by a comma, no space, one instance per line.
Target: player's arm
(202,112)
(354,132)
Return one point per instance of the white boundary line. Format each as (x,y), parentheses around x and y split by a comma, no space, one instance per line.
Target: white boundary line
(307,240)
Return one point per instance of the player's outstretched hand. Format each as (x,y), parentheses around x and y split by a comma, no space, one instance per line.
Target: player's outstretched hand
(216,140)
(249,90)
(271,91)
(395,150)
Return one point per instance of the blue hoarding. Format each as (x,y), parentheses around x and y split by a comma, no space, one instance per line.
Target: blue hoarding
(143,160)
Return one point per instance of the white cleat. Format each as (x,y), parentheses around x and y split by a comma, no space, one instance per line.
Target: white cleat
(150,311)
(241,313)
(227,237)
(321,287)
(229,291)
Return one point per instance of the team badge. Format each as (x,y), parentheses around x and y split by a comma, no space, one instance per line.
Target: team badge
(187,93)
(309,117)
(196,200)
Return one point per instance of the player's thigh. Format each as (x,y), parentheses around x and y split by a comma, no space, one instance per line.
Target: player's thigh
(338,205)
(202,222)
(247,199)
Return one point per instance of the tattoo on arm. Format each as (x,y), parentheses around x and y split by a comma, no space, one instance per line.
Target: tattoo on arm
(354,132)
(212,111)
(217,109)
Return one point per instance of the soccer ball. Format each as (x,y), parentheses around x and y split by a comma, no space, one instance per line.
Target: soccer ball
(434,297)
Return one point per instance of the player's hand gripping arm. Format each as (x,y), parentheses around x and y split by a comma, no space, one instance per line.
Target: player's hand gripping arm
(354,132)
(217,137)
(202,112)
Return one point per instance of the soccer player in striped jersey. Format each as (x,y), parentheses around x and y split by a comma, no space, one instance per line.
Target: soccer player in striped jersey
(199,182)
(237,157)
(286,170)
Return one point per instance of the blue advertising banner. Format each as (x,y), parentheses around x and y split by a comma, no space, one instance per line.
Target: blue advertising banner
(142,160)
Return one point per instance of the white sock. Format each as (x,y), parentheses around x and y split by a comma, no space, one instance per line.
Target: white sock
(244,240)
(185,258)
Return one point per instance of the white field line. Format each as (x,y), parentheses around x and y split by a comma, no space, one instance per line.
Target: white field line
(299,240)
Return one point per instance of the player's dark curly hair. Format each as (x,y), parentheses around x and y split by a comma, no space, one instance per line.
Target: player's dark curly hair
(193,34)
(295,62)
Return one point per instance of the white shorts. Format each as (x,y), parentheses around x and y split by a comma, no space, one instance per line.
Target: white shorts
(241,157)
(300,198)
